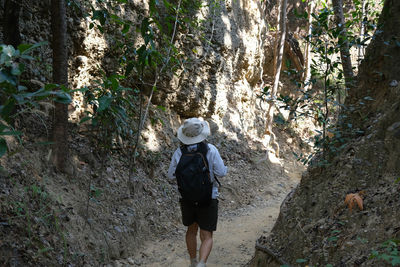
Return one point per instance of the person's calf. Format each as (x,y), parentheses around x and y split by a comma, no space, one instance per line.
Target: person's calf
(206,245)
(191,240)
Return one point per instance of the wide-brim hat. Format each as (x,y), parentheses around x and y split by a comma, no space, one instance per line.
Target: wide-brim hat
(193,131)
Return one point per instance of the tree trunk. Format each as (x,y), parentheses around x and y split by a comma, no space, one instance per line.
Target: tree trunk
(277,69)
(307,64)
(361,49)
(11,34)
(343,43)
(60,76)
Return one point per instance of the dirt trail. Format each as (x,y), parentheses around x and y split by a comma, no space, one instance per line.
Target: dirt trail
(237,230)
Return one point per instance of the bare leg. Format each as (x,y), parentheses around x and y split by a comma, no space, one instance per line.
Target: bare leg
(206,244)
(191,240)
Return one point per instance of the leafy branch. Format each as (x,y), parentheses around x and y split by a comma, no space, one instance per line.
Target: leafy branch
(15,97)
(158,73)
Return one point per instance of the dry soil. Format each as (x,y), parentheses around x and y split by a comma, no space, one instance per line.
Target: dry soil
(237,229)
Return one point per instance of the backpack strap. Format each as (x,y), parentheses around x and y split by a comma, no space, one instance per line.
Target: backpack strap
(184,149)
(203,148)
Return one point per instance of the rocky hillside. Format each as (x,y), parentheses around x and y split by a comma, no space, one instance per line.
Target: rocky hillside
(315,225)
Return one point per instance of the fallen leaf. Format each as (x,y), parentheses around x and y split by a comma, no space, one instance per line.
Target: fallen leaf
(354,199)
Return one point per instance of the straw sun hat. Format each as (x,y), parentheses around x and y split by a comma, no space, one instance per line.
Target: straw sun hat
(193,130)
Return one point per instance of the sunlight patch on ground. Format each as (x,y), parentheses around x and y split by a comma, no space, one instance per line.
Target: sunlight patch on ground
(152,142)
(271,156)
(273,159)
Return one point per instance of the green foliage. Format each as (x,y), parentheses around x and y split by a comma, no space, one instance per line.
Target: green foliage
(321,98)
(112,112)
(95,192)
(145,52)
(14,96)
(334,237)
(156,31)
(390,253)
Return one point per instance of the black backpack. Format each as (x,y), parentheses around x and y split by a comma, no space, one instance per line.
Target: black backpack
(193,176)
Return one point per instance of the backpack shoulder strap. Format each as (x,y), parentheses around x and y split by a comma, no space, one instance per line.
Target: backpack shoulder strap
(203,148)
(184,149)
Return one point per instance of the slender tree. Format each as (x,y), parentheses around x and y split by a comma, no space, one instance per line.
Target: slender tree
(343,43)
(11,34)
(361,49)
(307,63)
(158,73)
(279,47)
(60,76)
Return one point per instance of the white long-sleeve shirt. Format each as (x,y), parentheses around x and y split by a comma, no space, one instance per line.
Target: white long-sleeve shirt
(216,165)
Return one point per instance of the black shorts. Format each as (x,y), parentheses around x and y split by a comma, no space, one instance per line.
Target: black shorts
(205,216)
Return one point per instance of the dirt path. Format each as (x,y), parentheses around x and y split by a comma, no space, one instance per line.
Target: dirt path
(236,233)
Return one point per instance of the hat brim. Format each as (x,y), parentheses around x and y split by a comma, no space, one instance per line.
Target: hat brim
(197,139)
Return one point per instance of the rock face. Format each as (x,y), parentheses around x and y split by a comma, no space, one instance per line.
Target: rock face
(315,226)
(220,80)
(224,77)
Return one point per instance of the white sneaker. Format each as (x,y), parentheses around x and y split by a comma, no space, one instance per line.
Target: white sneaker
(201,264)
